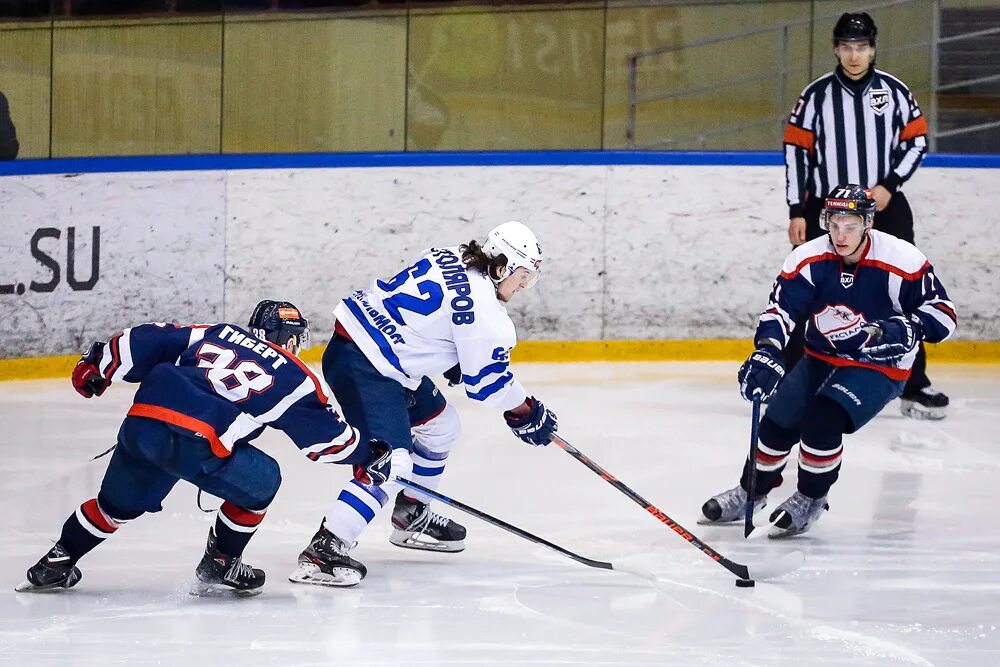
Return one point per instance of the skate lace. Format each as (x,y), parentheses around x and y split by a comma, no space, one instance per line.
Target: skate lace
(239,570)
(333,544)
(802,508)
(732,500)
(427,519)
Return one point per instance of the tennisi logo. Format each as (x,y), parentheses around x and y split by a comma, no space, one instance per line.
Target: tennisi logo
(47,246)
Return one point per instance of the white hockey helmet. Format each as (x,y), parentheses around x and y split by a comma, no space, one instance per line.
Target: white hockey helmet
(519,246)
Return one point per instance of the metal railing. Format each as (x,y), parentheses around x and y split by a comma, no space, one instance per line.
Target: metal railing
(780,75)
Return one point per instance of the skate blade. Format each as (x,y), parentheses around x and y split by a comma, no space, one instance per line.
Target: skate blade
(776,532)
(917,411)
(407,540)
(341,577)
(202,590)
(28,587)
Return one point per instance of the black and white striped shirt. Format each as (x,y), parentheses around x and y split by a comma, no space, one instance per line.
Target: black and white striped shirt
(842,131)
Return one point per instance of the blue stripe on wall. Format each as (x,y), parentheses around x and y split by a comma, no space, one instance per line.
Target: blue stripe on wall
(443,159)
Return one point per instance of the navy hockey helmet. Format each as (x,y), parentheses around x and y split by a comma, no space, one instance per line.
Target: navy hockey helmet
(279,322)
(855,27)
(849,199)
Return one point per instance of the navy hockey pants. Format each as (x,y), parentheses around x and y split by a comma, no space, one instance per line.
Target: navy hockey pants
(379,407)
(150,457)
(815,405)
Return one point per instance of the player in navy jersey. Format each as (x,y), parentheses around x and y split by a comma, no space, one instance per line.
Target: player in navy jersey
(444,314)
(205,392)
(867,299)
(858,124)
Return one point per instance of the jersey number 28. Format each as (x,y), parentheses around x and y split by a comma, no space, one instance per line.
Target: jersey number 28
(233,381)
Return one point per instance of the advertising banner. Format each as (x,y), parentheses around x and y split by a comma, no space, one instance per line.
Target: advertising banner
(85,255)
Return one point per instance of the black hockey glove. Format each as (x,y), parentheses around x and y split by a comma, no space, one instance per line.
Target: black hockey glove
(454,375)
(535,428)
(760,374)
(87,378)
(892,339)
(378,468)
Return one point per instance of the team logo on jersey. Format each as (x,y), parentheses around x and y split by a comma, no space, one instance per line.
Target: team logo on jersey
(879,99)
(841,326)
(846,280)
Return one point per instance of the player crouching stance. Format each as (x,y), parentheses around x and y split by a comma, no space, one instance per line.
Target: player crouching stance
(443,314)
(205,392)
(870,299)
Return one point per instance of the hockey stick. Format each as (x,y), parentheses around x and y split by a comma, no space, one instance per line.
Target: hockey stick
(784,565)
(752,482)
(589,562)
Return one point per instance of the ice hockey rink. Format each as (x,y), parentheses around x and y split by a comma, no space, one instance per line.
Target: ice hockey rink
(904,569)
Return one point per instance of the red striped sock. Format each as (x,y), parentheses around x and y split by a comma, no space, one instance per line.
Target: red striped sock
(234,526)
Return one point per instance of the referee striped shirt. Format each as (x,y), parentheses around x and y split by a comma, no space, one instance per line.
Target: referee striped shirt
(842,131)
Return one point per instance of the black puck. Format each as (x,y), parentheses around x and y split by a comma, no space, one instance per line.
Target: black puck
(745,583)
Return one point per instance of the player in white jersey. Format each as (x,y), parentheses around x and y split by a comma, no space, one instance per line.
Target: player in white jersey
(444,314)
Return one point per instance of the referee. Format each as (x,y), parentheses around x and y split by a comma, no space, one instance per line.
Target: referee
(858,124)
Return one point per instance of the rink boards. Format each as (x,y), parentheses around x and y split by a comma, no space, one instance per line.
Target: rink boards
(648,256)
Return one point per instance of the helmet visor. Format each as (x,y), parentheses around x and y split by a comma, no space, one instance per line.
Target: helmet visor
(847,223)
(527,277)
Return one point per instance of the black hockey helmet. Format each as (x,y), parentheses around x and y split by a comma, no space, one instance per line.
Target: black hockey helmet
(848,199)
(279,321)
(855,28)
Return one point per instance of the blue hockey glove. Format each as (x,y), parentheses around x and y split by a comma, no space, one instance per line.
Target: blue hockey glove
(760,374)
(535,428)
(87,378)
(892,339)
(378,468)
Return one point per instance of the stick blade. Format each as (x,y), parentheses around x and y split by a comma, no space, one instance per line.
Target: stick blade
(778,567)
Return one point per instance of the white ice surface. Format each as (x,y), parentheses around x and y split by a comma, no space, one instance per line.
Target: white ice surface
(904,569)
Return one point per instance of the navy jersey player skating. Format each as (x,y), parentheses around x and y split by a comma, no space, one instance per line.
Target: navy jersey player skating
(205,392)
(867,299)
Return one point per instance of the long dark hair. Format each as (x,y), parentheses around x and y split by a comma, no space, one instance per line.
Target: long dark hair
(474,257)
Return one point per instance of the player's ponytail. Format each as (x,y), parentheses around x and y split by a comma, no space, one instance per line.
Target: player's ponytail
(475,258)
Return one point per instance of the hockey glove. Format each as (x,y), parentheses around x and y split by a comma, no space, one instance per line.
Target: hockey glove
(760,374)
(87,378)
(454,375)
(535,428)
(892,339)
(378,468)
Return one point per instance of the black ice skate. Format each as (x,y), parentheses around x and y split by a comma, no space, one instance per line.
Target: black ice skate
(927,403)
(325,563)
(728,506)
(55,571)
(218,573)
(796,515)
(417,527)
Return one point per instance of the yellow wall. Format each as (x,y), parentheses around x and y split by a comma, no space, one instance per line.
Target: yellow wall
(136,87)
(441,78)
(24,78)
(302,85)
(505,79)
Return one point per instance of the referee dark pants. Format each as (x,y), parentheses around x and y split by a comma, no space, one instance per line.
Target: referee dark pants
(895,219)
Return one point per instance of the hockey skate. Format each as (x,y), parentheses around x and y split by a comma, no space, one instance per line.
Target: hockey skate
(417,527)
(53,572)
(728,506)
(927,403)
(221,574)
(325,563)
(796,515)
